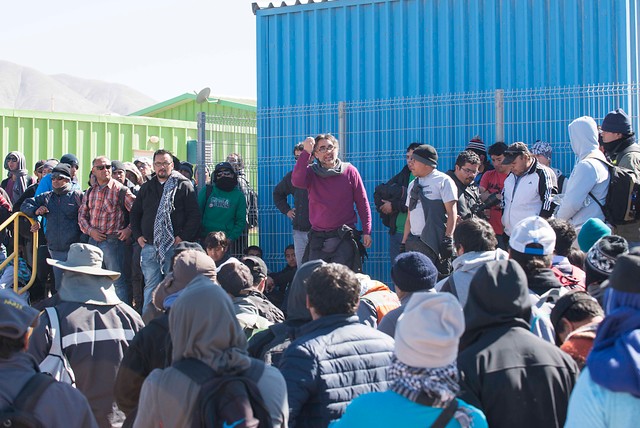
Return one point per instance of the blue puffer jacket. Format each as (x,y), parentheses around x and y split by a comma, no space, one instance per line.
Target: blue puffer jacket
(333,360)
(62,219)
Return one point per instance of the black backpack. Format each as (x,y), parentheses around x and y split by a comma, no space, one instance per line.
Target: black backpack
(20,414)
(622,205)
(227,400)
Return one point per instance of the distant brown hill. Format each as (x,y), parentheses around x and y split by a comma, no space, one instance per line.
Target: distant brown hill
(23,88)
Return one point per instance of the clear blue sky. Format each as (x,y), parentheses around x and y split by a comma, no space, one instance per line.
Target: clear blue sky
(162,48)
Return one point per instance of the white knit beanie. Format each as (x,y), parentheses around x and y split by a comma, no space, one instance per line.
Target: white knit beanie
(429,330)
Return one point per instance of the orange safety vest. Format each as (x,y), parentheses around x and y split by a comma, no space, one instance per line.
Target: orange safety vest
(381,298)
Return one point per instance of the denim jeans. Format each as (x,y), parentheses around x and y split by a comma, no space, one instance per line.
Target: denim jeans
(300,241)
(57,272)
(113,259)
(151,270)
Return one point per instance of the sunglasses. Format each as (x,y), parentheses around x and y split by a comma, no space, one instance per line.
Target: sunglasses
(58,177)
(101,167)
(12,159)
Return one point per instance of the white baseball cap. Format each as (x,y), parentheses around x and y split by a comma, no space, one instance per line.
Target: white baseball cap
(533,236)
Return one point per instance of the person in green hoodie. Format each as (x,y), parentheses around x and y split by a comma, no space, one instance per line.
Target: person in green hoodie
(222,203)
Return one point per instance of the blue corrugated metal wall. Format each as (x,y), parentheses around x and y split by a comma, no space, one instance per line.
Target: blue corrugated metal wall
(383,57)
(352,50)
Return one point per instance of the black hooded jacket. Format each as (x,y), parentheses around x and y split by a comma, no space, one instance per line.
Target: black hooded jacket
(394,191)
(269,345)
(516,378)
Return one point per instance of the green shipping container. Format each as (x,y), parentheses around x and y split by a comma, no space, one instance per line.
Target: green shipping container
(43,135)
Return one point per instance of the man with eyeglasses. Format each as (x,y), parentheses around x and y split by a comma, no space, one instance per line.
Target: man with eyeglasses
(463,175)
(222,204)
(72,161)
(299,214)
(334,187)
(102,216)
(528,189)
(164,214)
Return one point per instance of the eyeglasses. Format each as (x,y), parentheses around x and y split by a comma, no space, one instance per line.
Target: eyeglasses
(162,164)
(325,149)
(12,159)
(101,167)
(470,171)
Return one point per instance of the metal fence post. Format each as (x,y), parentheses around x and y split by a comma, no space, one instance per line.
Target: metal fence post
(201,149)
(342,128)
(500,115)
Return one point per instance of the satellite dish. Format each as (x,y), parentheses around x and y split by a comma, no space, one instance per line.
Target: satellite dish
(153,140)
(203,95)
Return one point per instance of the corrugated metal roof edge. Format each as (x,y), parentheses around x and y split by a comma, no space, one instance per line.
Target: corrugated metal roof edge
(255,7)
(186,97)
(126,120)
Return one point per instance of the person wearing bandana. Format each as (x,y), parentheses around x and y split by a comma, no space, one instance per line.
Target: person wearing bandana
(18,179)
(334,187)
(60,207)
(222,203)
(620,147)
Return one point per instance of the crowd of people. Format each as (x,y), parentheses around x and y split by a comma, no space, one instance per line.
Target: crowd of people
(512,302)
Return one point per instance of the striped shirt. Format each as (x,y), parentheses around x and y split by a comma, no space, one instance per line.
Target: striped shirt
(101,211)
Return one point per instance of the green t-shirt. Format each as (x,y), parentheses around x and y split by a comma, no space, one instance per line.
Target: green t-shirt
(402,217)
(223,211)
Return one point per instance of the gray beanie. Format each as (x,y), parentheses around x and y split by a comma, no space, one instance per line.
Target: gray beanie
(429,330)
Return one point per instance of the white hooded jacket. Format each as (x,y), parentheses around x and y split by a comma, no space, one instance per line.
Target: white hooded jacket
(590,174)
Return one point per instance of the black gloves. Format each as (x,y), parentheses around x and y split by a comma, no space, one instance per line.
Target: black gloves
(403,248)
(446,248)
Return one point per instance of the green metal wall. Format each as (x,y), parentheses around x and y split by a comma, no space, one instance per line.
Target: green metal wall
(42,135)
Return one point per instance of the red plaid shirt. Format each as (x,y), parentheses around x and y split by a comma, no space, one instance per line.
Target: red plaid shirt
(101,211)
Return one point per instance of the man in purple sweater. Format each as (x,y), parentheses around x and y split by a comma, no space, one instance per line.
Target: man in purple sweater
(334,186)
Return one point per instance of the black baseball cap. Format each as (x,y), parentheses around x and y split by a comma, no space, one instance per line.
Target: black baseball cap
(513,151)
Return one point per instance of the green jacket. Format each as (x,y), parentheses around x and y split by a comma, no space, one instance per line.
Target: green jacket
(223,211)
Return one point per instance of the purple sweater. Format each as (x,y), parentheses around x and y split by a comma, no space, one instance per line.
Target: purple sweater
(331,199)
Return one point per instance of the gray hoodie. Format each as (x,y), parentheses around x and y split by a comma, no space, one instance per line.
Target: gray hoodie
(465,266)
(590,174)
(203,325)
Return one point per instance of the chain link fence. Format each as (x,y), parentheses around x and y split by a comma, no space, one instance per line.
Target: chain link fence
(374,135)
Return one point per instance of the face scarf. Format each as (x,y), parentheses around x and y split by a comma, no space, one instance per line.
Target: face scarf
(226,184)
(613,148)
(323,172)
(20,175)
(62,190)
